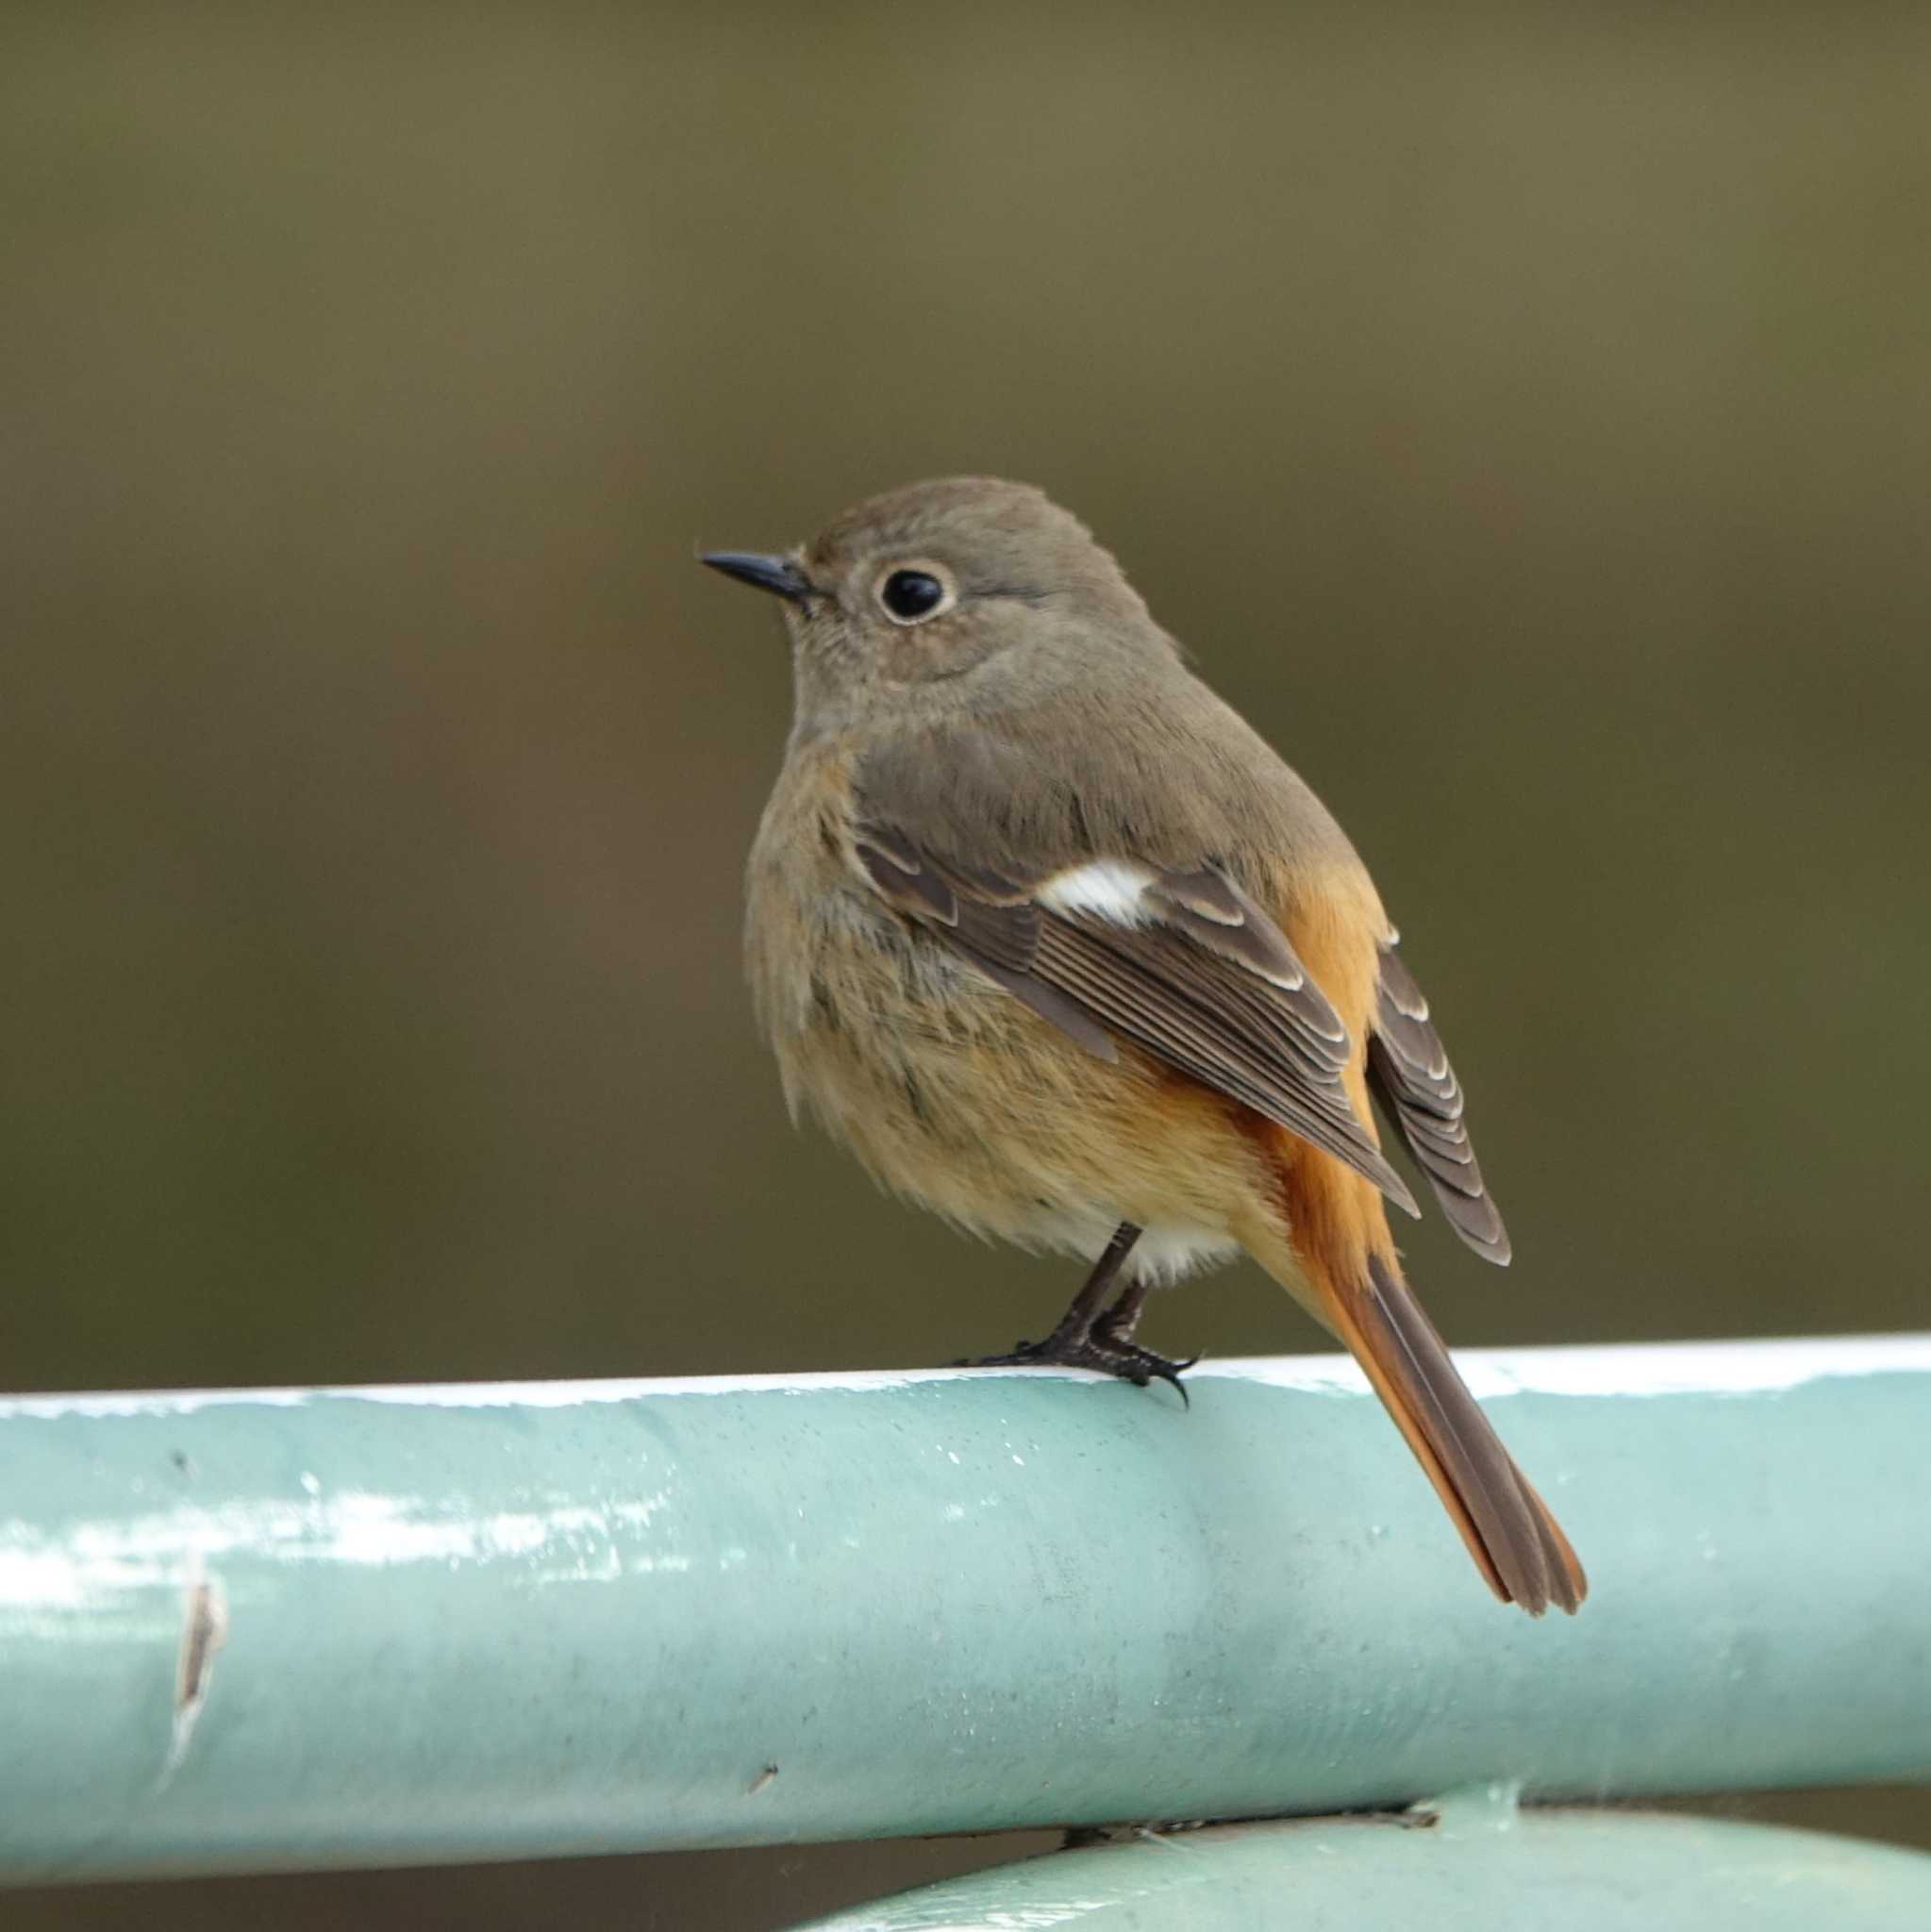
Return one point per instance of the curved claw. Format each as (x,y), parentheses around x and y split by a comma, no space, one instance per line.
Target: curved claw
(1169,1373)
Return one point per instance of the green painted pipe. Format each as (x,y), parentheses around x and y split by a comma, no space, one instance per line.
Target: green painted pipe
(1472,1867)
(254,1630)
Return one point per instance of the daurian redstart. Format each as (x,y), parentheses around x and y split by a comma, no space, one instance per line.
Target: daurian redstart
(1060,948)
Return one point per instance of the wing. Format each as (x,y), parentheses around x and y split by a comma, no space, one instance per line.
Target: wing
(1407,1068)
(1181,964)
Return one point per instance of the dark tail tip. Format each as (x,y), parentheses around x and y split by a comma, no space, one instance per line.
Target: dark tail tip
(1509,1529)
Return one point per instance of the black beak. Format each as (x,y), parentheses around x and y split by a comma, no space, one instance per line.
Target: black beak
(778,573)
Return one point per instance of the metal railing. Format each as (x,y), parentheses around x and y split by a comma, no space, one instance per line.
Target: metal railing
(251,1630)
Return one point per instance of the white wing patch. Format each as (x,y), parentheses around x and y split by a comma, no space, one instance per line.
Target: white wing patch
(1113,889)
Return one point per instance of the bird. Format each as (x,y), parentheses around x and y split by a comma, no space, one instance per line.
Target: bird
(1052,939)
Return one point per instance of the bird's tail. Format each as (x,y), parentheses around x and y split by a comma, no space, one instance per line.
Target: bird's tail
(1356,1288)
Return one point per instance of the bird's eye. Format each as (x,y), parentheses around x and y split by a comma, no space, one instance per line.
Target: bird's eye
(911,594)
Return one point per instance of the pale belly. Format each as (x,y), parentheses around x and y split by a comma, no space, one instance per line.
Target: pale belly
(955,1094)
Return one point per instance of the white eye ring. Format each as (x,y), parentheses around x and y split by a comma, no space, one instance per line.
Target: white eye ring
(904,591)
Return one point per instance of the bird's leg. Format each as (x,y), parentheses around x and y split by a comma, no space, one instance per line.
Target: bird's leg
(1088,1339)
(1119,1322)
(1076,1325)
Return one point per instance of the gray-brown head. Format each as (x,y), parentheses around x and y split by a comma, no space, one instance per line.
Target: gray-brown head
(959,593)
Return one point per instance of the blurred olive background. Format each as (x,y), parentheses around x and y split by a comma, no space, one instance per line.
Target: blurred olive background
(1524,415)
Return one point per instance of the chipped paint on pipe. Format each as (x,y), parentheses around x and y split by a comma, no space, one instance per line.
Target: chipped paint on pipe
(241,1630)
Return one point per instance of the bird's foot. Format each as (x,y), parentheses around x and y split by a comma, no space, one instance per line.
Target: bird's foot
(1110,1354)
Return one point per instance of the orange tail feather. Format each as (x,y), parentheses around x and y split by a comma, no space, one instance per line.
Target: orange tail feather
(1516,1542)
(1346,1268)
